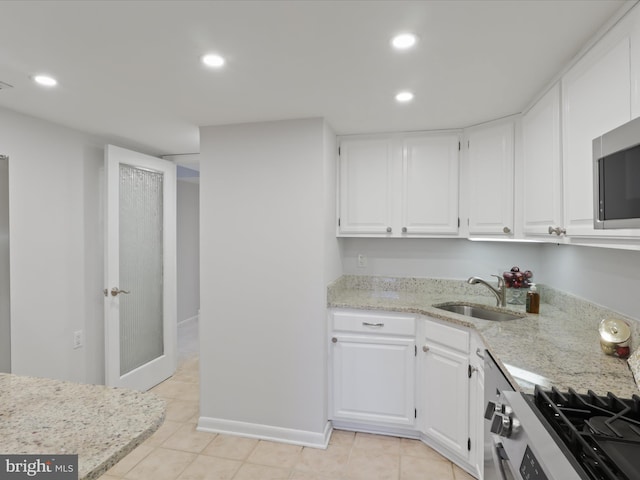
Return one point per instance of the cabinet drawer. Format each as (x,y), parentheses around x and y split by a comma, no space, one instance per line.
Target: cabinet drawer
(365,322)
(452,337)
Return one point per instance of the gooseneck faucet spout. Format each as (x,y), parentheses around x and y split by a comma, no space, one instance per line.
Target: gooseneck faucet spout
(500,292)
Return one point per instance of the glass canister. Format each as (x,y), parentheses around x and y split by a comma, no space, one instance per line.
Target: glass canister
(516,296)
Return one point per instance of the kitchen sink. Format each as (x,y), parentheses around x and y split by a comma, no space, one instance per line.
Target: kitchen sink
(477,311)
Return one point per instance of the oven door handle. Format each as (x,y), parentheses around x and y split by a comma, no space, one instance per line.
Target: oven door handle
(499,459)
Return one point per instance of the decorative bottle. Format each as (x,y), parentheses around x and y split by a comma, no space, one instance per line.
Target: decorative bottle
(533,299)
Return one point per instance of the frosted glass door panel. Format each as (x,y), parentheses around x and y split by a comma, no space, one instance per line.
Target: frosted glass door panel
(141,254)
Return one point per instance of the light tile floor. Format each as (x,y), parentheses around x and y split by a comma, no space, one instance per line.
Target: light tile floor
(177,451)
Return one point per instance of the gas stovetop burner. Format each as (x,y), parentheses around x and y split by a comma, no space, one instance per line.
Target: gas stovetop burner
(601,432)
(613,427)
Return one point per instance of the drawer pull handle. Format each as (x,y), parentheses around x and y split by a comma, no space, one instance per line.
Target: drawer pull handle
(479,353)
(425,348)
(334,340)
(378,325)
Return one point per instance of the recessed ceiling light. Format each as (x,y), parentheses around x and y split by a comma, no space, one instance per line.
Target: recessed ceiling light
(45,80)
(404,41)
(404,97)
(213,60)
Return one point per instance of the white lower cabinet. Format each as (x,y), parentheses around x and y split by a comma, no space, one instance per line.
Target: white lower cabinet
(373,369)
(476,404)
(382,380)
(445,386)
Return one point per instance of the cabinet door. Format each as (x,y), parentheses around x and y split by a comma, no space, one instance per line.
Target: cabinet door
(373,380)
(542,169)
(366,169)
(476,404)
(596,99)
(490,179)
(430,185)
(446,397)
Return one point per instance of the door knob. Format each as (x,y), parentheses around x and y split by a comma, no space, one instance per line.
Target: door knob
(115,291)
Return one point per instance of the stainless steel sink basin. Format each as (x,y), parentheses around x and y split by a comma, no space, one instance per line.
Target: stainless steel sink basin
(477,311)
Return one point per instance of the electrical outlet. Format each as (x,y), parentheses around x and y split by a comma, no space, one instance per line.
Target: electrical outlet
(77,339)
(362,260)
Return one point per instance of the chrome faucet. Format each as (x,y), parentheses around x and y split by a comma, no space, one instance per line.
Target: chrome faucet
(500,292)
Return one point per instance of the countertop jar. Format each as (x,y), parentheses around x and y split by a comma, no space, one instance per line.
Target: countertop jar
(615,337)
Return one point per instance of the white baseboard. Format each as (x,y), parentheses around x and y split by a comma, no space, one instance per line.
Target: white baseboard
(266,432)
(376,429)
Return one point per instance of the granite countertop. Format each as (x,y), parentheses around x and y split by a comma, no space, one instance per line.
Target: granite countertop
(561,344)
(101,424)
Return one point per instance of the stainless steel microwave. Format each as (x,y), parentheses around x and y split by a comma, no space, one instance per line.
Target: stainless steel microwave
(616,178)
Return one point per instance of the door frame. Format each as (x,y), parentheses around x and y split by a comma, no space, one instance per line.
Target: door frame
(5,360)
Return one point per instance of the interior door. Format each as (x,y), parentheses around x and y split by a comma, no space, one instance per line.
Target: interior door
(140,269)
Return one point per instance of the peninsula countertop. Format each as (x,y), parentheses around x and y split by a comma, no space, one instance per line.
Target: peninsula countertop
(561,343)
(101,424)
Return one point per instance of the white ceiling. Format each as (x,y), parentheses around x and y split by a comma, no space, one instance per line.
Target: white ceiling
(130,70)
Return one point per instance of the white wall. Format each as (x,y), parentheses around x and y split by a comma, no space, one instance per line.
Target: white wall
(5,324)
(56,228)
(56,248)
(188,246)
(438,258)
(608,277)
(266,258)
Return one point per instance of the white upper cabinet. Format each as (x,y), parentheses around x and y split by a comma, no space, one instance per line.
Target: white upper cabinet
(366,176)
(596,98)
(635,62)
(399,186)
(430,185)
(542,168)
(489,179)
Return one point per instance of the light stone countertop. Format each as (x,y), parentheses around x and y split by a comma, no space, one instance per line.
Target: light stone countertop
(560,344)
(101,424)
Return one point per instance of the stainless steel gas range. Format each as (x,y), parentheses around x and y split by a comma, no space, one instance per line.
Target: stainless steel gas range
(554,435)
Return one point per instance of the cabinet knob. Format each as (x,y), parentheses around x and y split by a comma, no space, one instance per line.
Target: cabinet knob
(425,349)
(557,230)
(404,229)
(389,229)
(334,340)
(506,230)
